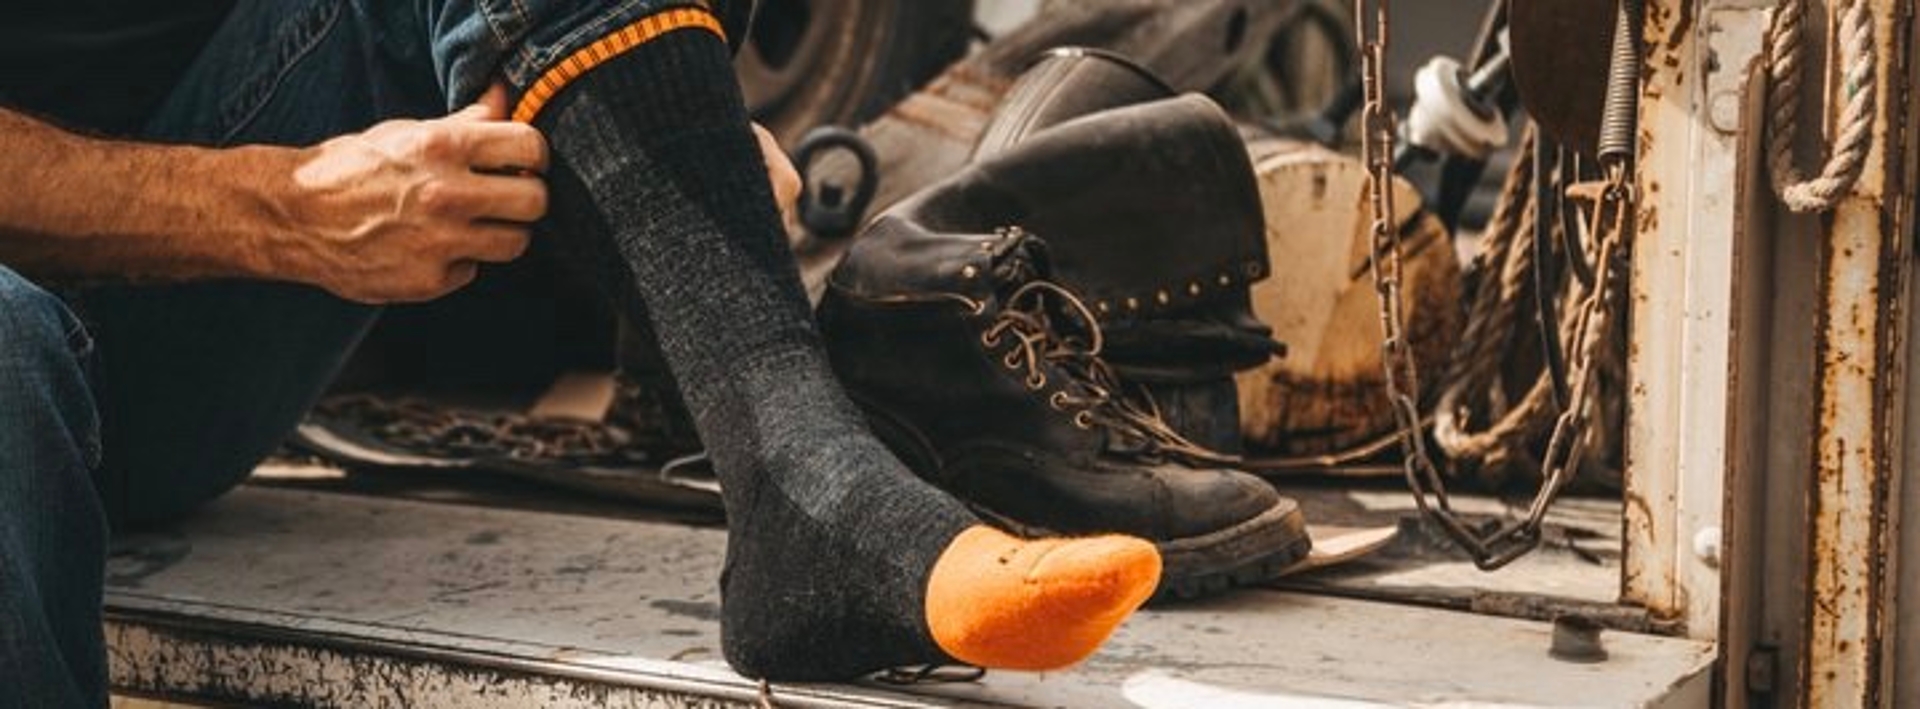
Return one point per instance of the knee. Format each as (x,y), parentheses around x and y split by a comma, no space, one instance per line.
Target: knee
(42,347)
(38,335)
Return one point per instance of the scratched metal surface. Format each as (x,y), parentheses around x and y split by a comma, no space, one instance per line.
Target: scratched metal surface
(287,593)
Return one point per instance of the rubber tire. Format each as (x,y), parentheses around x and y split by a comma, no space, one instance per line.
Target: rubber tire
(809,63)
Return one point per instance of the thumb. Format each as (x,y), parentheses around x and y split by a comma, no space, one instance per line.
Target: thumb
(492,106)
(474,112)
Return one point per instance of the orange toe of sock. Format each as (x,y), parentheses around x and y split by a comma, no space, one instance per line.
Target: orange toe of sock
(1002,602)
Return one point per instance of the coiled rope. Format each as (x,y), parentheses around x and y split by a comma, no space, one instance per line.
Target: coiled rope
(1487,428)
(1786,65)
(1505,264)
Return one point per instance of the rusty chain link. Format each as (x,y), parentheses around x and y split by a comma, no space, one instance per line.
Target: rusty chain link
(424,428)
(1496,546)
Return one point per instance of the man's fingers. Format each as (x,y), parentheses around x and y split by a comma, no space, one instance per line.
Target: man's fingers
(474,112)
(507,198)
(473,196)
(495,101)
(499,146)
(497,242)
(492,106)
(457,276)
(490,142)
(768,143)
(780,170)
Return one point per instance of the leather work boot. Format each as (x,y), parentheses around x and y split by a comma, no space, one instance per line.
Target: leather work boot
(986,378)
(1152,214)
(1067,83)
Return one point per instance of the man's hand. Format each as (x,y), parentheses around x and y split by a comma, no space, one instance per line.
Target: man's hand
(780,172)
(407,210)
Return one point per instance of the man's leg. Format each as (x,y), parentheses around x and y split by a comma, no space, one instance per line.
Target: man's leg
(197,382)
(52,533)
(839,560)
(833,543)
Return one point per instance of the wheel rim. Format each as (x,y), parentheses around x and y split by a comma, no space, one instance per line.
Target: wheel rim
(799,59)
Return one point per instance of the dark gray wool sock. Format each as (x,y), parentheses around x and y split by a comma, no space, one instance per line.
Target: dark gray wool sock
(830,538)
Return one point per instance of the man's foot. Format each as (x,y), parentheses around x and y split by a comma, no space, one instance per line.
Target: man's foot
(869,567)
(990,599)
(840,561)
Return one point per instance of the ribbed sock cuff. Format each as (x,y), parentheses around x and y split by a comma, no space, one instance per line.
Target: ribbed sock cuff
(648,30)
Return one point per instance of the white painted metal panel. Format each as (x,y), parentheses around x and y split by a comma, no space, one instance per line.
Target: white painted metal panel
(1682,325)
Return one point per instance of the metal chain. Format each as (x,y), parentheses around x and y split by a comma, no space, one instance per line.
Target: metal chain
(1502,544)
(425,428)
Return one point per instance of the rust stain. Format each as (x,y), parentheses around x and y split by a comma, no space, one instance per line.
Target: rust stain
(1668,25)
(1677,37)
(1654,24)
(1855,350)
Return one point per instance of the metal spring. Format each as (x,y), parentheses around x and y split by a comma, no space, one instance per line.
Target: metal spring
(1618,120)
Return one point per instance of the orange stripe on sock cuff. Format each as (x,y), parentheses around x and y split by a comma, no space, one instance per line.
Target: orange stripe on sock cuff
(614,44)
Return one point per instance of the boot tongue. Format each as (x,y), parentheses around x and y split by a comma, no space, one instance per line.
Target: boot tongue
(1017,258)
(1020,258)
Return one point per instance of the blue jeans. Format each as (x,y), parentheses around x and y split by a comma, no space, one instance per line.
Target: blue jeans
(169,395)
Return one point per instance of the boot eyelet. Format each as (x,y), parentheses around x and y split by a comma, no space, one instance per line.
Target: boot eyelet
(1012,360)
(1037,382)
(990,339)
(1058,401)
(1083,420)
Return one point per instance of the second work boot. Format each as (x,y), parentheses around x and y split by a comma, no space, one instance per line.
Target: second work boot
(1153,216)
(986,378)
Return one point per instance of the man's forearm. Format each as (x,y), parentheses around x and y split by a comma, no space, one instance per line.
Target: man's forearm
(82,207)
(405,210)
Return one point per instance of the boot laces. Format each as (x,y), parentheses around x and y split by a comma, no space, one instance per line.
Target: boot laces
(1100,399)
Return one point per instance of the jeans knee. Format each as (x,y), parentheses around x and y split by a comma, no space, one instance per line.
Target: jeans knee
(43,348)
(52,532)
(34,325)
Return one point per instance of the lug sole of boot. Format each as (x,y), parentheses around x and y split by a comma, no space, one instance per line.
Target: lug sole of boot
(1250,553)
(1247,554)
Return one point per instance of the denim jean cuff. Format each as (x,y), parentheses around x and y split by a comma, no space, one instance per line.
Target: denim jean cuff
(530,37)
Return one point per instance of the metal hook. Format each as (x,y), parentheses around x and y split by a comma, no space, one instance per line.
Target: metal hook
(826,208)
